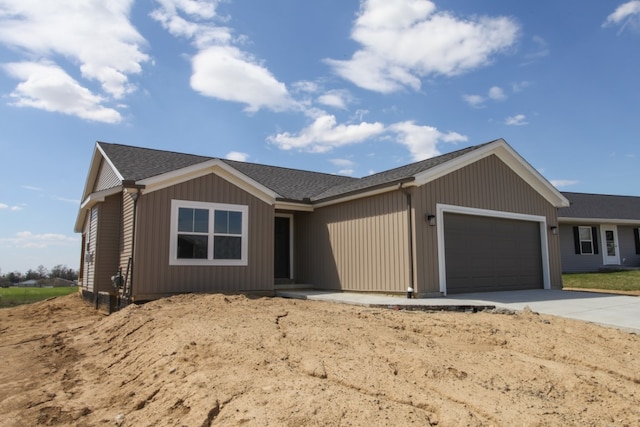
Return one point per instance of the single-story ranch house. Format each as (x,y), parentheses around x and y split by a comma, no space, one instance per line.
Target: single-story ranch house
(157,223)
(599,232)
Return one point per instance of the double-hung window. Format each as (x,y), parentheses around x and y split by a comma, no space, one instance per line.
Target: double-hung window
(208,233)
(586,240)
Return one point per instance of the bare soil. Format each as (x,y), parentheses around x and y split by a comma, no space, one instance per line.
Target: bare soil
(201,360)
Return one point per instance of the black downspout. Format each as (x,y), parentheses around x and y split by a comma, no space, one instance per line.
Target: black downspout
(411,289)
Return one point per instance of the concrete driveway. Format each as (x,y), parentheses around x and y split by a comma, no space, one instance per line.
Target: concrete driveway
(617,311)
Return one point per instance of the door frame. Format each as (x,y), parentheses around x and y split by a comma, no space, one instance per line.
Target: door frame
(606,259)
(291,240)
(442,264)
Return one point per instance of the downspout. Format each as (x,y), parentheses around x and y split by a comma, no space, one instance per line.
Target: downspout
(411,289)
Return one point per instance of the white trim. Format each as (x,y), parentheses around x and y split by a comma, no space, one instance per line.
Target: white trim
(173,229)
(293,206)
(567,220)
(441,209)
(215,166)
(108,160)
(99,196)
(606,259)
(291,249)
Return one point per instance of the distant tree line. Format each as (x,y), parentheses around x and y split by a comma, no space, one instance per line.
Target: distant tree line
(40,273)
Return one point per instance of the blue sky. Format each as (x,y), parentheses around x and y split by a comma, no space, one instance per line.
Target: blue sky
(339,86)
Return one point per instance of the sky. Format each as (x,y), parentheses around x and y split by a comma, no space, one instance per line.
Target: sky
(338,86)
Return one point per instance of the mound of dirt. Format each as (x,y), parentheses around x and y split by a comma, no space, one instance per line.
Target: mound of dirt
(201,360)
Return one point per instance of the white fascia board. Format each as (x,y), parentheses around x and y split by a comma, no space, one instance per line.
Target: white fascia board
(108,160)
(567,220)
(293,206)
(215,166)
(511,158)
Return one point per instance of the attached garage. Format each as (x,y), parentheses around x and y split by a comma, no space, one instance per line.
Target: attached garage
(492,253)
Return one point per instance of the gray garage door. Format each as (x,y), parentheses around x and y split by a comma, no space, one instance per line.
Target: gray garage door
(491,254)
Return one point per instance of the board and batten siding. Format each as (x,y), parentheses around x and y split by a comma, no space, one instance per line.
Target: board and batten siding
(360,245)
(486,184)
(154,277)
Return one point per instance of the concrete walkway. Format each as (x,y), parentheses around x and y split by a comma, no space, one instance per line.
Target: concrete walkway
(618,311)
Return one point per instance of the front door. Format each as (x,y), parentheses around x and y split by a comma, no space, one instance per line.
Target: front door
(282,247)
(610,252)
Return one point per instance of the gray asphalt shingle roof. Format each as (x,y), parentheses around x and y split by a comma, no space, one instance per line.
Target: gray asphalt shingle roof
(601,206)
(136,163)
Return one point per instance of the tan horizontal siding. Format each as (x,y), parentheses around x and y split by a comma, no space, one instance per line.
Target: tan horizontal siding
(155,277)
(486,184)
(360,245)
(107,178)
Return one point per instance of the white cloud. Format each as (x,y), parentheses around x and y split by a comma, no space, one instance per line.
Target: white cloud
(422,141)
(494,93)
(405,40)
(66,200)
(324,134)
(32,188)
(27,239)
(220,69)
(520,86)
(540,50)
(563,182)
(227,73)
(342,162)
(237,156)
(95,35)
(497,94)
(48,87)
(517,120)
(624,12)
(473,100)
(339,98)
(10,208)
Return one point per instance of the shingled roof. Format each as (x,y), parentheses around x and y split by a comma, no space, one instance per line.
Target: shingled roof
(135,163)
(601,206)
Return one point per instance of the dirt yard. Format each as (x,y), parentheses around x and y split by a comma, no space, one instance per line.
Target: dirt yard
(230,360)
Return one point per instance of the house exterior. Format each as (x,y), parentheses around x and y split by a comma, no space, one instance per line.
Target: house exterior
(599,232)
(157,223)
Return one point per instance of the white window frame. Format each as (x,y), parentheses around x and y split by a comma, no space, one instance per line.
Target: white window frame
(590,241)
(211,207)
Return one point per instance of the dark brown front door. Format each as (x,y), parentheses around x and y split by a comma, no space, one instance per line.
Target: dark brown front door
(282,248)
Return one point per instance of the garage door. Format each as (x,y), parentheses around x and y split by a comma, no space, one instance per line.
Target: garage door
(491,254)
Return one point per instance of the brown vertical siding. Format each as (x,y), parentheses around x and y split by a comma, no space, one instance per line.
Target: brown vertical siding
(486,184)
(360,245)
(154,277)
(107,178)
(107,255)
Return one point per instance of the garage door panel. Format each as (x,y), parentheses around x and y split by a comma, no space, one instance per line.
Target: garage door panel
(488,254)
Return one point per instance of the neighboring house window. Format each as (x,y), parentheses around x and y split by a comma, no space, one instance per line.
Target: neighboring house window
(586,241)
(208,233)
(636,238)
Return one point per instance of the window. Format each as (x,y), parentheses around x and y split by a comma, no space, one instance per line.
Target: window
(585,240)
(208,233)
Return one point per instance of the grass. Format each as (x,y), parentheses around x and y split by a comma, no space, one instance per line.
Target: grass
(627,281)
(10,297)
